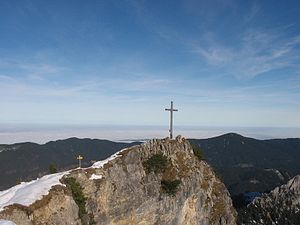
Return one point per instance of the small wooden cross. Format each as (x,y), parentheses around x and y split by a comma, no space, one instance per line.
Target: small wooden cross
(79,160)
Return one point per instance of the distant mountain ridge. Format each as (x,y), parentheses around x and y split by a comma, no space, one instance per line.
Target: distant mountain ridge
(248,164)
(245,164)
(26,161)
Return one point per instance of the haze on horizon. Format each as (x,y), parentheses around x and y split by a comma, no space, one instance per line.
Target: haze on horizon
(223,63)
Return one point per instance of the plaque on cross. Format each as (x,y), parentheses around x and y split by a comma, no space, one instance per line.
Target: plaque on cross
(171,119)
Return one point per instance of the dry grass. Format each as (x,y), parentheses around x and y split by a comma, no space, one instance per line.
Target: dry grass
(205,185)
(218,211)
(219,208)
(170,173)
(183,164)
(207,177)
(108,165)
(124,153)
(15,207)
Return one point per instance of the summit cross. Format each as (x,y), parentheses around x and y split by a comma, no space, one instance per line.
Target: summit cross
(171,119)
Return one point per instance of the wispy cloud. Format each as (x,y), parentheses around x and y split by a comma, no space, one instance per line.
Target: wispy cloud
(259,52)
(255,9)
(257,49)
(18,88)
(40,70)
(91,87)
(33,67)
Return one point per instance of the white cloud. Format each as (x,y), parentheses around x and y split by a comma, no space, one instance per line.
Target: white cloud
(259,52)
(215,55)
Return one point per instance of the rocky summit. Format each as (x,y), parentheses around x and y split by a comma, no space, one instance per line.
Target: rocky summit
(158,182)
(280,206)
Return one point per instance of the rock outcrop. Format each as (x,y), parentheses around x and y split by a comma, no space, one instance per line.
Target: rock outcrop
(58,207)
(158,182)
(280,206)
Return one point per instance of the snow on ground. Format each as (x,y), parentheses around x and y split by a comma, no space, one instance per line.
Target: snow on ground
(95,177)
(101,163)
(27,193)
(6,222)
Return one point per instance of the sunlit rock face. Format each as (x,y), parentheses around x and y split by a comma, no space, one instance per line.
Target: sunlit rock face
(183,190)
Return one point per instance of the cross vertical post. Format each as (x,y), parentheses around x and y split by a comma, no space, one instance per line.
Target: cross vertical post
(79,160)
(171,119)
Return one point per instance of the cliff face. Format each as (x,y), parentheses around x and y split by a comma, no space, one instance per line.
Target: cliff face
(158,182)
(280,206)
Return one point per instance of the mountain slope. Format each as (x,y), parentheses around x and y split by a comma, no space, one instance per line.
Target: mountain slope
(26,161)
(280,206)
(158,182)
(247,164)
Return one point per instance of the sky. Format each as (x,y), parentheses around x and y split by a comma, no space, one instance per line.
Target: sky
(223,63)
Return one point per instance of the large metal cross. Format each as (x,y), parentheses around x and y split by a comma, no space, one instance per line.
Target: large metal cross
(171,119)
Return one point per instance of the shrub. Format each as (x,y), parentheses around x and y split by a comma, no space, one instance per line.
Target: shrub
(78,196)
(170,187)
(52,168)
(156,163)
(19,180)
(197,151)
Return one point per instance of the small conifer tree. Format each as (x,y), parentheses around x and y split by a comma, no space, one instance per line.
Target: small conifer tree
(52,168)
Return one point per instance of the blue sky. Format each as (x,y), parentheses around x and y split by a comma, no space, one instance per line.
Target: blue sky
(223,63)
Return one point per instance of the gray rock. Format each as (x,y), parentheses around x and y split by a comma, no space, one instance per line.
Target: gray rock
(280,206)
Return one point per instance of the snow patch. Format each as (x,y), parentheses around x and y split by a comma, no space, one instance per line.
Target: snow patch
(132,140)
(27,193)
(254,181)
(6,222)
(245,165)
(95,177)
(101,163)
(276,172)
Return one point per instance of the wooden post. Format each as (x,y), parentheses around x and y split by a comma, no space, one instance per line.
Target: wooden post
(79,160)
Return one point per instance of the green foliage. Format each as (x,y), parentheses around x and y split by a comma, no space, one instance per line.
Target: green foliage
(170,187)
(77,196)
(52,168)
(19,180)
(156,163)
(197,151)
